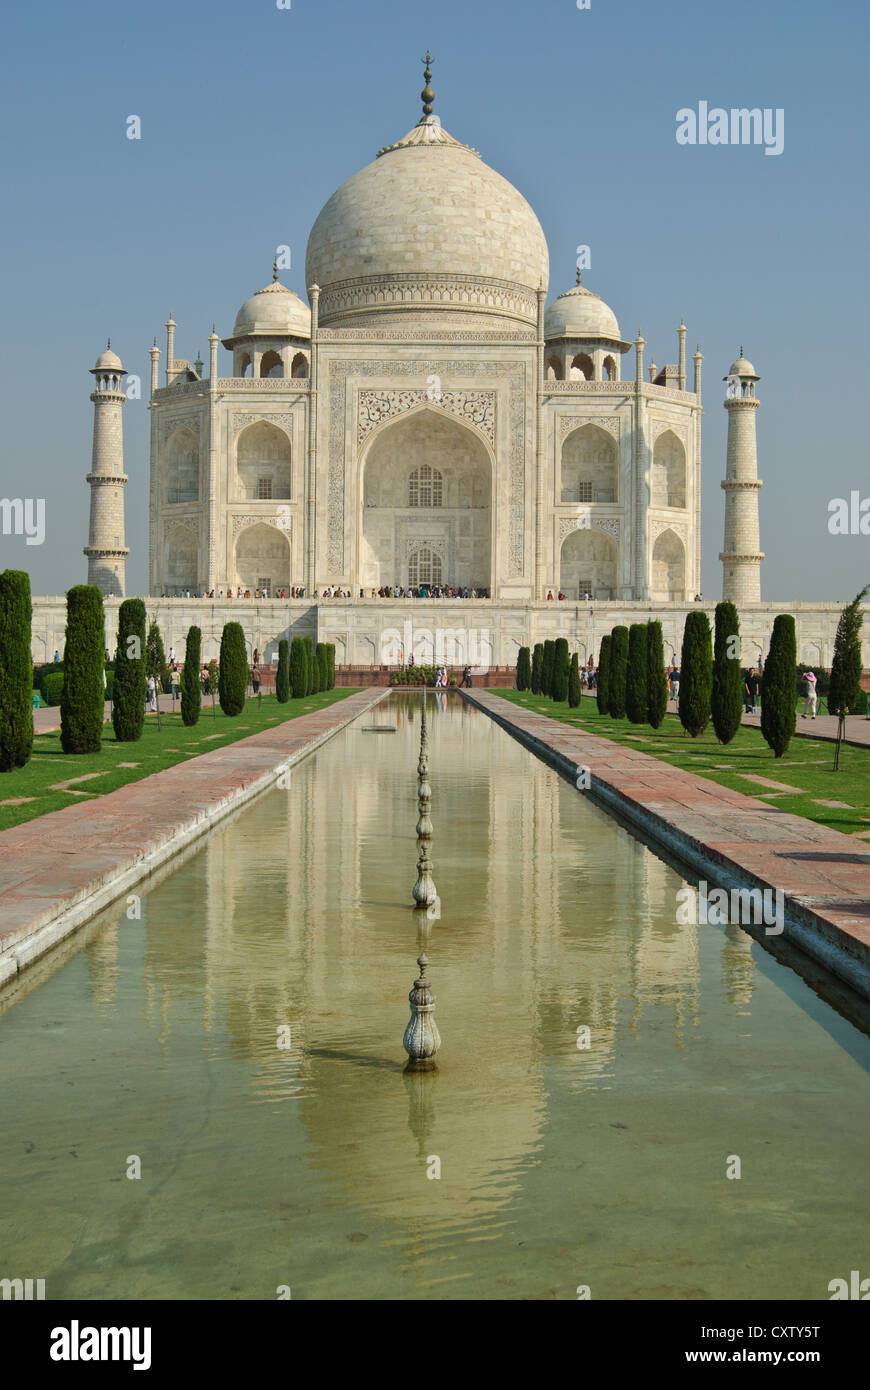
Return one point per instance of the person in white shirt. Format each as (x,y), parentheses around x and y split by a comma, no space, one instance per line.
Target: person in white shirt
(811,700)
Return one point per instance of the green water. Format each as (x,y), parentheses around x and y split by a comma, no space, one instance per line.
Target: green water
(307,1167)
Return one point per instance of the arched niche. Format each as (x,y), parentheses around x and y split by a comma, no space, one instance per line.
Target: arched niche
(262,559)
(668,568)
(181,472)
(554,368)
(271,364)
(180,568)
(582,367)
(299,366)
(588,564)
(590,466)
(668,472)
(401,465)
(263,460)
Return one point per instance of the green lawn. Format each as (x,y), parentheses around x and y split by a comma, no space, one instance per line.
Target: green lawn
(807,766)
(157,749)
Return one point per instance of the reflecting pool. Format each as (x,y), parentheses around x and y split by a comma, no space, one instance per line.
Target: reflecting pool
(313,1166)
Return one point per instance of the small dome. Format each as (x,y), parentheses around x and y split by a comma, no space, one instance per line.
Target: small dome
(273,311)
(108,361)
(743,367)
(578,313)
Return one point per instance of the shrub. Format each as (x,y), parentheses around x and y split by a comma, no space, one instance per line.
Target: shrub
(310,676)
(845,681)
(657,676)
(574,688)
(322,666)
(191,686)
(602,684)
(155,659)
(561,667)
(16,670)
(537,668)
(726,701)
(82,702)
(524,669)
(233,670)
(618,673)
(330,647)
(52,687)
(777,686)
(298,669)
(128,695)
(282,677)
(637,675)
(696,673)
(548,668)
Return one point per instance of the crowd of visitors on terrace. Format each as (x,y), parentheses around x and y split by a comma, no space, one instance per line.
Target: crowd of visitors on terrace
(335,591)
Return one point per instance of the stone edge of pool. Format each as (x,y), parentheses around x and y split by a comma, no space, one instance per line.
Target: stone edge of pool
(745,841)
(59,870)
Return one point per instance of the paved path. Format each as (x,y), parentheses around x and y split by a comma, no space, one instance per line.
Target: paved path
(57,871)
(738,840)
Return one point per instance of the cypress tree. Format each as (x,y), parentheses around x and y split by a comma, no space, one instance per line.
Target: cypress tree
(310,673)
(574,688)
(524,669)
(537,668)
(232,670)
(726,702)
(191,687)
(282,678)
(602,684)
(82,703)
(128,695)
(16,670)
(322,667)
(637,677)
(298,669)
(330,647)
(618,673)
(657,676)
(846,667)
(547,668)
(561,667)
(155,658)
(778,714)
(696,673)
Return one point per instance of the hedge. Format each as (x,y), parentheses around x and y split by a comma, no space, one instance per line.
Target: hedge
(129,680)
(82,702)
(16,670)
(233,670)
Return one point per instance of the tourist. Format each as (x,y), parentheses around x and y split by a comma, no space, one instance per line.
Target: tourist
(152,694)
(810,682)
(747,692)
(256,656)
(674,682)
(175,679)
(439,679)
(171,656)
(466,677)
(549,595)
(754,688)
(256,678)
(57,656)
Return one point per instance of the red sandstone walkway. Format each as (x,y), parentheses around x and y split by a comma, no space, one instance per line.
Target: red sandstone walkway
(738,839)
(58,870)
(824,726)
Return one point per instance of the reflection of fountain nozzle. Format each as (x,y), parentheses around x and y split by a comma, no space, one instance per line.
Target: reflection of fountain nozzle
(422,1039)
(421,1108)
(424,891)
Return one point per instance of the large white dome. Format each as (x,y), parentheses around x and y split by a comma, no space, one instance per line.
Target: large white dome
(427,227)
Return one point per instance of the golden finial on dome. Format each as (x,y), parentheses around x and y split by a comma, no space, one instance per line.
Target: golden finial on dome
(427,96)
(579,275)
(275,270)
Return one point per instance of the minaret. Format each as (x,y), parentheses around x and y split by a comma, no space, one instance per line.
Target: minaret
(741,557)
(106,551)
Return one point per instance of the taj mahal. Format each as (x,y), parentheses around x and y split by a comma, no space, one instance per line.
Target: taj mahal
(430,420)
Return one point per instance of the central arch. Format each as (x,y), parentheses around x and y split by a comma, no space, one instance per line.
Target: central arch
(262,559)
(426,486)
(588,564)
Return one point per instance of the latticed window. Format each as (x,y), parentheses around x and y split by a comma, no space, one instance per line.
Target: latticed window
(264,489)
(585,492)
(424,566)
(425,487)
(584,586)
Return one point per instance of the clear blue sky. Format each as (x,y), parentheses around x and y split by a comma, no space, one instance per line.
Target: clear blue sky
(252,116)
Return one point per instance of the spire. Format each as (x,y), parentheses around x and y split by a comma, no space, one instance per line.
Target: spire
(741,349)
(108,344)
(427,96)
(275,270)
(579,275)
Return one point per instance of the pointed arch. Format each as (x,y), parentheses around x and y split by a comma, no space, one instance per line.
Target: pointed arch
(262,558)
(589,466)
(181,473)
(668,484)
(668,568)
(263,462)
(182,558)
(588,563)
